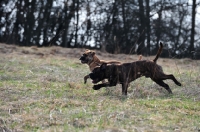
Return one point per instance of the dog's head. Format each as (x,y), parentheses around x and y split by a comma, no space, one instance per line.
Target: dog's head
(87,57)
(99,73)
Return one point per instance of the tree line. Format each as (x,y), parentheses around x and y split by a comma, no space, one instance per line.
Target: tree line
(118,26)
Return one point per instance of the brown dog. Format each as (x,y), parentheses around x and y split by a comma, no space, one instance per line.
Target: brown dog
(128,72)
(89,57)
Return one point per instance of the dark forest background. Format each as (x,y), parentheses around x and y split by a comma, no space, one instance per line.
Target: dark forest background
(115,26)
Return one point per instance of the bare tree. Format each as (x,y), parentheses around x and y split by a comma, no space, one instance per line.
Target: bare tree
(19,21)
(29,21)
(141,29)
(191,48)
(148,27)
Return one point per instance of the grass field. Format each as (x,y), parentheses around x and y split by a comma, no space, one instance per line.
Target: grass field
(42,90)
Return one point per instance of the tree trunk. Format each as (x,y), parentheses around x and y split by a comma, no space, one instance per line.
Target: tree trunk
(68,16)
(141,30)
(77,22)
(125,24)
(17,22)
(40,24)
(158,27)
(45,22)
(148,27)
(29,22)
(191,48)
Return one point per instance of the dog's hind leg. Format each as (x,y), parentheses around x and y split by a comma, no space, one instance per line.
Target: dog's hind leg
(174,79)
(164,77)
(166,86)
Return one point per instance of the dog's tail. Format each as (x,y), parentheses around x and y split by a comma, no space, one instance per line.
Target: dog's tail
(158,53)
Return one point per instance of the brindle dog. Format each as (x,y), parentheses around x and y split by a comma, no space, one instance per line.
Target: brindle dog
(89,57)
(128,72)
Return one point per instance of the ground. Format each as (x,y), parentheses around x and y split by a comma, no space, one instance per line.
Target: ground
(42,89)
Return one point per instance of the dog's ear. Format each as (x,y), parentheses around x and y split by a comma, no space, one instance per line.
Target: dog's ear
(103,66)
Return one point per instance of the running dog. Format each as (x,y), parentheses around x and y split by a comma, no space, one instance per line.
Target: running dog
(127,72)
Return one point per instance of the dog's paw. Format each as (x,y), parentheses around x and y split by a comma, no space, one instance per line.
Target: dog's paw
(85,81)
(96,87)
(170,91)
(179,84)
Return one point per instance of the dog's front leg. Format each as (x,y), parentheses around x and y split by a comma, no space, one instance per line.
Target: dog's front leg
(124,88)
(107,84)
(98,86)
(85,78)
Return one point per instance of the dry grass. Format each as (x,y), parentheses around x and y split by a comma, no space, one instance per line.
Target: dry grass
(41,89)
